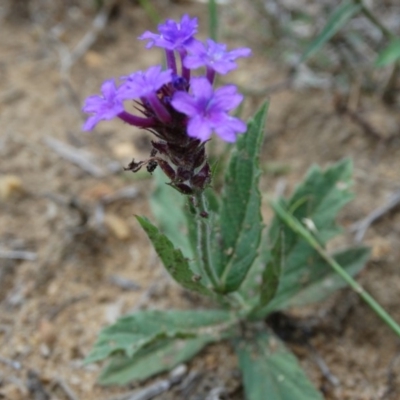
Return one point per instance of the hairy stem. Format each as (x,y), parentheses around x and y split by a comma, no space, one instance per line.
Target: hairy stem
(297,227)
(203,239)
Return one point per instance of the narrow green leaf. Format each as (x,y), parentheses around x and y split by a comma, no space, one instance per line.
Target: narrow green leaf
(389,54)
(272,272)
(134,332)
(240,216)
(168,207)
(324,281)
(336,21)
(315,202)
(174,261)
(159,357)
(272,372)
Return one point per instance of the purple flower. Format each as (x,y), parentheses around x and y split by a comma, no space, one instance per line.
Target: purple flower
(173,36)
(145,85)
(208,110)
(104,107)
(214,56)
(141,84)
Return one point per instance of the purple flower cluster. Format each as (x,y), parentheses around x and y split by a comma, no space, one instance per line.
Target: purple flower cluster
(206,109)
(180,110)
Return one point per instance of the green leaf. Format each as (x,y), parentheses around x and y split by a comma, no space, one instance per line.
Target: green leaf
(336,21)
(134,332)
(174,261)
(325,281)
(159,357)
(192,227)
(240,216)
(315,202)
(389,54)
(168,206)
(272,272)
(272,372)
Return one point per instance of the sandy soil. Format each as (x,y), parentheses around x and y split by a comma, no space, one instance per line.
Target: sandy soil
(52,307)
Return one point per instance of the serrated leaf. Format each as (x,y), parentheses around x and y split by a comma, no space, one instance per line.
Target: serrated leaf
(325,281)
(272,372)
(174,261)
(315,202)
(240,216)
(389,54)
(336,21)
(272,272)
(134,332)
(159,357)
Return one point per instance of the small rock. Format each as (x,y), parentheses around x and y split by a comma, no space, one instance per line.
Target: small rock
(124,150)
(117,226)
(381,248)
(93,59)
(113,311)
(96,192)
(10,185)
(47,333)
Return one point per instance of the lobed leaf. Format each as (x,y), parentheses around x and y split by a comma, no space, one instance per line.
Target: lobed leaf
(325,281)
(174,261)
(132,333)
(336,21)
(236,244)
(272,372)
(316,203)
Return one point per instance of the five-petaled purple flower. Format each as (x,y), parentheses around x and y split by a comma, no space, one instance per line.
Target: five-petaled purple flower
(144,85)
(214,56)
(181,111)
(172,36)
(207,110)
(104,107)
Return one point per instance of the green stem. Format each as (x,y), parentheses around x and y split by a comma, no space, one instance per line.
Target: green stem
(150,10)
(368,13)
(297,227)
(213,19)
(389,92)
(203,238)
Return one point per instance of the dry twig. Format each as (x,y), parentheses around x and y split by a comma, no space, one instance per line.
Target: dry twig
(11,363)
(68,59)
(65,388)
(361,227)
(126,193)
(156,388)
(343,109)
(123,283)
(326,372)
(18,255)
(81,158)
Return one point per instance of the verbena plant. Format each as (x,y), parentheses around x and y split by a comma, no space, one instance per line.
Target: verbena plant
(225,252)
